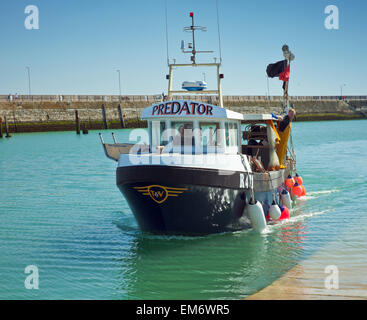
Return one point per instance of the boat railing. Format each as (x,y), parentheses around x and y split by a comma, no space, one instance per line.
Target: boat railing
(113,150)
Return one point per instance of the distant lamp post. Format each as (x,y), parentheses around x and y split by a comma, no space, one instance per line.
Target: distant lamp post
(29,81)
(118,71)
(341,90)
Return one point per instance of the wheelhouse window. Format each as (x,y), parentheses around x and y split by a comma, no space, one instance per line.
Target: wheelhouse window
(231,134)
(157,129)
(210,134)
(182,133)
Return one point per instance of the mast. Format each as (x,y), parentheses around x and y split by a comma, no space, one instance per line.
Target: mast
(289,56)
(193,37)
(192,50)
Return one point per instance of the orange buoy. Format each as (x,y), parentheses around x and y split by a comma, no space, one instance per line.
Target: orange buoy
(303,191)
(298,179)
(297,190)
(284,213)
(289,182)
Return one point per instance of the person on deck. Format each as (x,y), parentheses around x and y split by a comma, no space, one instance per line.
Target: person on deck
(287,119)
(284,129)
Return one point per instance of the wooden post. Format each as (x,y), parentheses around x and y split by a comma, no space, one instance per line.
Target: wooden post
(14,121)
(1,127)
(85,129)
(137,116)
(77,122)
(120,116)
(89,122)
(104,117)
(7,135)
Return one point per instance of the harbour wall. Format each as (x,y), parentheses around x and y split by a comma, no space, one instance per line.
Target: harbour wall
(155,98)
(39,113)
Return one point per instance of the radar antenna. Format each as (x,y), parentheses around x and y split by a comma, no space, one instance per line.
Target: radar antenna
(192,29)
(192,50)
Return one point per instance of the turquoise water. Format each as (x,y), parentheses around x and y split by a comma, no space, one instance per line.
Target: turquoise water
(61,211)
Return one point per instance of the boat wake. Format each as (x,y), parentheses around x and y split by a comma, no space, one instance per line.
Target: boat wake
(296,218)
(319,193)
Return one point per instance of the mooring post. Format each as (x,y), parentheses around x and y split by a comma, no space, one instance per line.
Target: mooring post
(14,121)
(1,127)
(7,135)
(137,116)
(77,122)
(104,117)
(85,129)
(120,116)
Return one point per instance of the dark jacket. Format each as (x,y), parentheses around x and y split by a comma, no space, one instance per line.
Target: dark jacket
(284,123)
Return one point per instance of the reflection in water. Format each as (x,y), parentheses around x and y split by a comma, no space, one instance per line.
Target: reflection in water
(295,234)
(220,266)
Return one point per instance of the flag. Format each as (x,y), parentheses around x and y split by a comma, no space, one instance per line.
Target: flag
(275,69)
(284,76)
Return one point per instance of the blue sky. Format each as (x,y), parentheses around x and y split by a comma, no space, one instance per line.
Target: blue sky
(81,44)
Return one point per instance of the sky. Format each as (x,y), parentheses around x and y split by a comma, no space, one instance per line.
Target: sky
(80,45)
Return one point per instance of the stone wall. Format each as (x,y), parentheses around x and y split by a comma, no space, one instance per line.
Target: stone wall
(40,112)
(46,112)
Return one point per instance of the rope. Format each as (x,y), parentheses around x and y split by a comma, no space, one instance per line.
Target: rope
(167,32)
(292,154)
(251,179)
(267,79)
(220,47)
(271,185)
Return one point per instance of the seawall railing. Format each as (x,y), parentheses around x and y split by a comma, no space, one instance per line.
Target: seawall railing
(158,98)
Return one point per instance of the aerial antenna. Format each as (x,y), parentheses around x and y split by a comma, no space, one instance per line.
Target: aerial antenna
(192,29)
(165,2)
(220,47)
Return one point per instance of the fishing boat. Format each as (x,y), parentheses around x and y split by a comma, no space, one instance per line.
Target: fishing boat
(205,168)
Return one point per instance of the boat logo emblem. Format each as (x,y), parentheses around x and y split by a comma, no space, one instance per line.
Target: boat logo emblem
(159,193)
